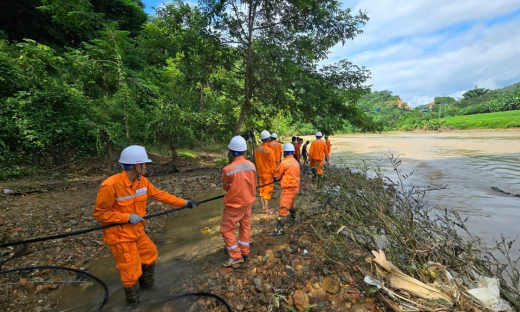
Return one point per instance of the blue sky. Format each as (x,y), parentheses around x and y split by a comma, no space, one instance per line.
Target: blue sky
(421,49)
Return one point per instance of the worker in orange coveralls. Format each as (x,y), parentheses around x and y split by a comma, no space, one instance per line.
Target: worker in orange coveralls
(122,199)
(277,148)
(317,152)
(289,174)
(329,147)
(266,169)
(239,181)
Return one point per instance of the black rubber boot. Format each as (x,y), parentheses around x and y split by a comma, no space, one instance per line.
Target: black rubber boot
(292,213)
(314,172)
(279,226)
(147,278)
(132,294)
(319,178)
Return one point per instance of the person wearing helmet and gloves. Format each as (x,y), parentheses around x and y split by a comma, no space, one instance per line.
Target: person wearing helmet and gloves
(317,152)
(277,149)
(266,169)
(122,199)
(239,181)
(289,174)
(329,146)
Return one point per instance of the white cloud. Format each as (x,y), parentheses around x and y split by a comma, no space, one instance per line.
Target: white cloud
(424,49)
(421,100)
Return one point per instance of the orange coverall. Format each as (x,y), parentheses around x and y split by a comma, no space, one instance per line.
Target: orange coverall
(239,180)
(317,151)
(277,149)
(116,200)
(289,173)
(266,168)
(329,146)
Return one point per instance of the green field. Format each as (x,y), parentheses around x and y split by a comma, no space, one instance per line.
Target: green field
(510,119)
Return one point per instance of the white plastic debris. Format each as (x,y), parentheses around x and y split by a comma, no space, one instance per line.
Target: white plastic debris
(8,191)
(305,251)
(488,293)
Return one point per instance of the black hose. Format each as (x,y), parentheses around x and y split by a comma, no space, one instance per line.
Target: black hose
(67,269)
(41,239)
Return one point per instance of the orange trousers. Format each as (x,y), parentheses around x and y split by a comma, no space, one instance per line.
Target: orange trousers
(287,201)
(230,218)
(130,256)
(317,163)
(267,191)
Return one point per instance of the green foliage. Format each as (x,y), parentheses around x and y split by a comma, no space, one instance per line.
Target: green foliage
(509,119)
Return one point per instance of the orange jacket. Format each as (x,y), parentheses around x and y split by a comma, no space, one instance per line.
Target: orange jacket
(318,150)
(277,149)
(118,198)
(289,172)
(265,162)
(329,146)
(239,181)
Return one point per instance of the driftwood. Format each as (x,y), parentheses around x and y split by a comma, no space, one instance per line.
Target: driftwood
(399,280)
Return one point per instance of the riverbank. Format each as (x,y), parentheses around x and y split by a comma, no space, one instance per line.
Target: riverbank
(319,265)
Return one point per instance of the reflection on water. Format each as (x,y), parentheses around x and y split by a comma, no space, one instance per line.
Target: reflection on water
(467,163)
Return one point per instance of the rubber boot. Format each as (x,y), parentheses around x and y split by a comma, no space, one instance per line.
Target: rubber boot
(292,213)
(314,173)
(279,226)
(319,178)
(132,294)
(147,278)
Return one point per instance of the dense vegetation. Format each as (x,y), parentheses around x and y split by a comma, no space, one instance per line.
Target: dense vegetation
(390,111)
(78,78)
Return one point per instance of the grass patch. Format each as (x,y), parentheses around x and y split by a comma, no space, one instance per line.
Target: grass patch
(187,153)
(509,119)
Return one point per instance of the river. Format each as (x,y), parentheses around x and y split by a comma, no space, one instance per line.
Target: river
(468,164)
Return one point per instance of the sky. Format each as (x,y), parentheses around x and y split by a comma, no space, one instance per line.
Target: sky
(421,49)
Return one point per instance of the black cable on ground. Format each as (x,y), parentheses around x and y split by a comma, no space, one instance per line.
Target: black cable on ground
(41,239)
(67,269)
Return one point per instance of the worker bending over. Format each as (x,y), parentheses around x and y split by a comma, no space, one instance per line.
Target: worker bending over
(266,169)
(289,174)
(239,181)
(317,152)
(122,199)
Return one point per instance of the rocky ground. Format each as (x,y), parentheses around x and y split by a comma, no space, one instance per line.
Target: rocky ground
(292,273)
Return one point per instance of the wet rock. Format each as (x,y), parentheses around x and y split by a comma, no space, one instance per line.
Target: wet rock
(278,253)
(260,299)
(289,250)
(331,285)
(300,300)
(319,295)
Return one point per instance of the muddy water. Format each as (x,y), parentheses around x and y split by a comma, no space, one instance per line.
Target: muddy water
(468,164)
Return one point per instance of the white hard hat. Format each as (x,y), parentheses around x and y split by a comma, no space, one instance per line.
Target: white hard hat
(318,134)
(288,147)
(237,144)
(265,135)
(134,154)
(274,135)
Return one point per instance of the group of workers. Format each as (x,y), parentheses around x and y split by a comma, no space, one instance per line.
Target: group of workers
(122,199)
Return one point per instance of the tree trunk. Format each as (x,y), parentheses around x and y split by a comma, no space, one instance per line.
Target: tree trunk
(248,82)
